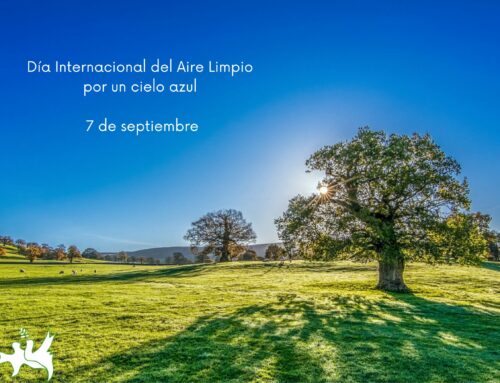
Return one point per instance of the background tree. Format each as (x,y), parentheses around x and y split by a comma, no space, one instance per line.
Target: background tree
(491,236)
(274,252)
(46,250)
(248,255)
(91,253)
(219,233)
(202,258)
(493,239)
(142,259)
(73,253)
(180,259)
(33,252)
(461,238)
(20,243)
(6,240)
(122,256)
(384,198)
(60,252)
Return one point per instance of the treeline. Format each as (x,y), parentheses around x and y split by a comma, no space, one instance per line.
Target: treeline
(274,252)
(33,250)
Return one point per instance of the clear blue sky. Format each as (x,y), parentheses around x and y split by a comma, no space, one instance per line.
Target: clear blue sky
(322,69)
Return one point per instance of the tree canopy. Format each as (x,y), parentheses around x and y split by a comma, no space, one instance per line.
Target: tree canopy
(391,198)
(274,252)
(73,253)
(223,233)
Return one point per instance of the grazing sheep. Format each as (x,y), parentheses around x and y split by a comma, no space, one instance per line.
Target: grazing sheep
(61,272)
(73,272)
(22,271)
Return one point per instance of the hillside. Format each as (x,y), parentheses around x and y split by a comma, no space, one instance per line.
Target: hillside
(12,254)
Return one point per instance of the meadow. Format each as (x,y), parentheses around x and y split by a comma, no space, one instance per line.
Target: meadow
(254,322)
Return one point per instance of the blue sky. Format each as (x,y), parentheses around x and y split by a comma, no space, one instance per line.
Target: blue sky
(322,69)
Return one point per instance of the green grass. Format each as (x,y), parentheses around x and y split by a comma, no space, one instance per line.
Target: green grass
(255,322)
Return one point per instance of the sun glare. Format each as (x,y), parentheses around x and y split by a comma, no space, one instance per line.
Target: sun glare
(323,190)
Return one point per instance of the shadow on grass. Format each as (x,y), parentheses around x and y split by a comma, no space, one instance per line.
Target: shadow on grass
(491,266)
(90,277)
(317,267)
(174,271)
(401,338)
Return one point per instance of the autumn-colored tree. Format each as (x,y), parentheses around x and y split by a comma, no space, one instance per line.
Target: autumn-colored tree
(60,252)
(3,252)
(219,233)
(388,198)
(33,252)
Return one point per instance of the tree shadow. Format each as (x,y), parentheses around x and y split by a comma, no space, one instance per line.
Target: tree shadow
(316,267)
(491,265)
(89,277)
(400,337)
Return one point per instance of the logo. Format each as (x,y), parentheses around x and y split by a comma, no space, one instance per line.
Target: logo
(40,359)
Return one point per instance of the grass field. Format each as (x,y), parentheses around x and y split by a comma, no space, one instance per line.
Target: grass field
(254,322)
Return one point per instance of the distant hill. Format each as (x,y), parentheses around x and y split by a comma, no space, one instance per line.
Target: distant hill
(163,252)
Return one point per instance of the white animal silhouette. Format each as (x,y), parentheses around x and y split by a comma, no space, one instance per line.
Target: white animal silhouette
(41,358)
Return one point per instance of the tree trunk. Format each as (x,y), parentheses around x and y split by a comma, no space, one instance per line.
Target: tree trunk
(224,257)
(390,274)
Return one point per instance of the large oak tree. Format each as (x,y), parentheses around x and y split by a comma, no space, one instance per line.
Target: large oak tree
(222,233)
(390,198)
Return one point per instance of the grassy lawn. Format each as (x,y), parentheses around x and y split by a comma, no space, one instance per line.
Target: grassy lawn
(254,322)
